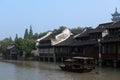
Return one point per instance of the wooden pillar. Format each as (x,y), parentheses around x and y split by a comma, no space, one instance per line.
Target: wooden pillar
(84,51)
(100,60)
(62,59)
(96,61)
(43,58)
(48,59)
(115,63)
(38,58)
(54,57)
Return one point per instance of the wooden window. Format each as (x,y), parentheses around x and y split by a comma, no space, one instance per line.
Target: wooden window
(51,50)
(118,49)
(103,49)
(61,49)
(111,48)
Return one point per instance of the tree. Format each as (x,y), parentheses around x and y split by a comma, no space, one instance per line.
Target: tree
(31,33)
(61,28)
(35,36)
(10,39)
(42,34)
(88,27)
(77,30)
(25,45)
(26,34)
(16,37)
(4,44)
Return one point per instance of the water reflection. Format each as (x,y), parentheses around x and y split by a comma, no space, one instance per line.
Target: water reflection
(31,70)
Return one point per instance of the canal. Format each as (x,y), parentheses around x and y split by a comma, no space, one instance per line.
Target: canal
(32,70)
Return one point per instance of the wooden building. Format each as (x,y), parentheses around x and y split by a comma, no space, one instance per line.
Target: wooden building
(111,44)
(63,49)
(12,52)
(47,45)
(101,43)
(86,43)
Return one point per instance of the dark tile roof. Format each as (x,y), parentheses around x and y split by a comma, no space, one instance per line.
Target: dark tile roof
(47,41)
(44,45)
(82,43)
(110,25)
(110,39)
(67,42)
(44,42)
(51,36)
(84,34)
(71,41)
(97,30)
(105,25)
(115,25)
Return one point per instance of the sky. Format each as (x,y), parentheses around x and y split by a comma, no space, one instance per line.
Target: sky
(44,15)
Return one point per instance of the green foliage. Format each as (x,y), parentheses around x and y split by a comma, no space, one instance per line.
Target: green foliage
(26,45)
(26,34)
(35,36)
(4,44)
(42,34)
(88,28)
(10,39)
(30,32)
(16,37)
(77,30)
(61,28)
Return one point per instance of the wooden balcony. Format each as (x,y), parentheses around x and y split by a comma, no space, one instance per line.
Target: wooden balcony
(95,55)
(45,55)
(109,56)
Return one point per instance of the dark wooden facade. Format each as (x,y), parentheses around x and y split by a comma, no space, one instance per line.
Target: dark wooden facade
(63,50)
(55,46)
(103,43)
(46,50)
(12,52)
(87,43)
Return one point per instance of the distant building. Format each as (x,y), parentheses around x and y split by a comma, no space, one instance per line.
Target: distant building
(48,46)
(12,52)
(102,43)
(116,16)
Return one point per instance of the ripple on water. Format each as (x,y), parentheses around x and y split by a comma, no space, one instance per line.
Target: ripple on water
(31,70)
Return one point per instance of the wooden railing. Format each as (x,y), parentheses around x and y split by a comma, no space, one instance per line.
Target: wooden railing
(45,54)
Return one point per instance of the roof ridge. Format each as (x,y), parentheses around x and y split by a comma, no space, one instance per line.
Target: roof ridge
(49,33)
(62,36)
(80,33)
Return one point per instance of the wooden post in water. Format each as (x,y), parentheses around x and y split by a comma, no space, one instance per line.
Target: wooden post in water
(48,59)
(99,60)
(44,58)
(115,63)
(62,59)
(54,57)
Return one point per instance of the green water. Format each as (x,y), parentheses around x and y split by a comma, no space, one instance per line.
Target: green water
(31,70)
